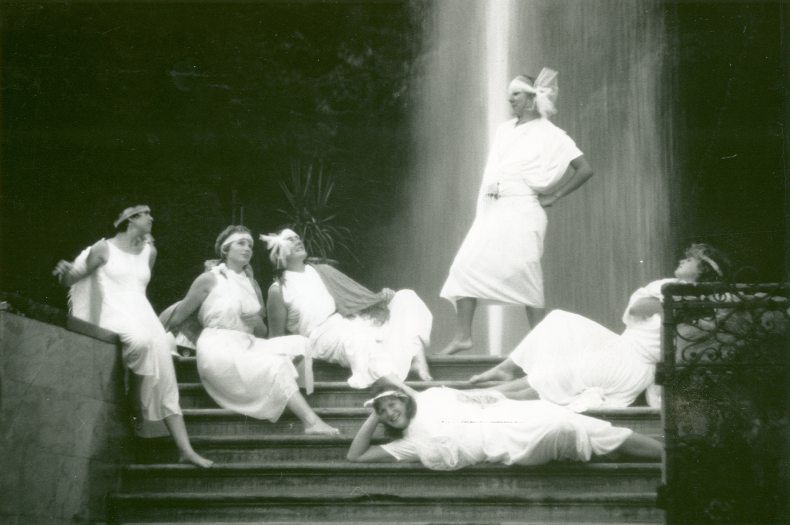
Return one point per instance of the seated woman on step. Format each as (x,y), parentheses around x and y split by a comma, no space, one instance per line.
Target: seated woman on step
(573,361)
(373,334)
(447,429)
(107,287)
(241,372)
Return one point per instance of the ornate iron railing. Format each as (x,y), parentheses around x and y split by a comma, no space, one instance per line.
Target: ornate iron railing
(725,403)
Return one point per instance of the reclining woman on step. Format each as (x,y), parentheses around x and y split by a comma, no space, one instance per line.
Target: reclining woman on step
(239,369)
(107,284)
(447,429)
(373,334)
(575,362)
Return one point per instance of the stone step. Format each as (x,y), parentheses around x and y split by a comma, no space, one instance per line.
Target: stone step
(336,479)
(325,394)
(203,507)
(219,422)
(443,368)
(232,449)
(378,522)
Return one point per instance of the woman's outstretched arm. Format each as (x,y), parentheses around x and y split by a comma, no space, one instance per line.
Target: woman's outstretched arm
(361,450)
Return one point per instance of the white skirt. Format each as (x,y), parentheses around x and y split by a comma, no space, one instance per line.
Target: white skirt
(499,260)
(246,374)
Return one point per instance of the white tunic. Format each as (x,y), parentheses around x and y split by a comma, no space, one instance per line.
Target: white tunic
(453,429)
(499,260)
(147,347)
(573,361)
(241,372)
(368,349)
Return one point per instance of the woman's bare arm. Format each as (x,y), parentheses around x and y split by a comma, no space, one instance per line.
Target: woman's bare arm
(197,293)
(276,311)
(361,450)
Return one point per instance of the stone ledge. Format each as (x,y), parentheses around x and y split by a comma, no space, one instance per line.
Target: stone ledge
(17,304)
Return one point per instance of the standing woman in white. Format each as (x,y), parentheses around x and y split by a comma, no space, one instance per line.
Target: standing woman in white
(108,282)
(531,165)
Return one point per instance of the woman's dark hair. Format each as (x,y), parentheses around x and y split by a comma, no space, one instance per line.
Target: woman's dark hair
(382,385)
(227,232)
(714,265)
(123,225)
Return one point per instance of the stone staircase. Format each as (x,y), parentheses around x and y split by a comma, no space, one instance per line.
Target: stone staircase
(273,473)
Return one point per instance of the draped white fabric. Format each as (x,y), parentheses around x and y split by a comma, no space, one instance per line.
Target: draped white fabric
(453,429)
(571,360)
(241,372)
(499,260)
(370,350)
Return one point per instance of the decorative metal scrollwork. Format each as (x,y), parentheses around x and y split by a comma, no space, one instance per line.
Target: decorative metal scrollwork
(725,377)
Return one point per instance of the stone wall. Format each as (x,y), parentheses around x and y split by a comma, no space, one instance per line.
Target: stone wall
(62,420)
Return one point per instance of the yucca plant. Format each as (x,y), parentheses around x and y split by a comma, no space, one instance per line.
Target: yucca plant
(312,213)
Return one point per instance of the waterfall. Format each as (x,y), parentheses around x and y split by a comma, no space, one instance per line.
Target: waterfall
(603,241)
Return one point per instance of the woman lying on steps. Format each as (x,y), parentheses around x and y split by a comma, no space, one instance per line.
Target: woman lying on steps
(447,429)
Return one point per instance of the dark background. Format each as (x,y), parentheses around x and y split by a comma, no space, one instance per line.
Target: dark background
(201,109)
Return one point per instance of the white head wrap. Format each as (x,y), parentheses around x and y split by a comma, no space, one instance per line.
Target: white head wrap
(233,237)
(129,212)
(279,246)
(545,90)
(386,393)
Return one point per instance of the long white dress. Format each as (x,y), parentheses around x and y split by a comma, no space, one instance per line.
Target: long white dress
(573,361)
(370,350)
(499,260)
(147,347)
(241,372)
(453,429)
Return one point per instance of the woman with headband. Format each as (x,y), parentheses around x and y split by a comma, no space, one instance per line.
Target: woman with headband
(239,369)
(532,164)
(373,334)
(107,287)
(448,429)
(573,361)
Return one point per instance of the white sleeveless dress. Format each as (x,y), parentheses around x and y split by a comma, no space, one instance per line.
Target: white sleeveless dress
(241,372)
(147,347)
(573,361)
(368,349)
(453,429)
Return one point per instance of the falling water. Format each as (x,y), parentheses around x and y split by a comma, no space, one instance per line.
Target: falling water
(604,240)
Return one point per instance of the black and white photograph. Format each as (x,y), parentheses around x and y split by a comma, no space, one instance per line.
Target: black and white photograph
(394,262)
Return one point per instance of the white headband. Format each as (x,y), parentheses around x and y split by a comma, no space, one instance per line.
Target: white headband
(279,246)
(233,237)
(545,90)
(386,393)
(712,263)
(129,212)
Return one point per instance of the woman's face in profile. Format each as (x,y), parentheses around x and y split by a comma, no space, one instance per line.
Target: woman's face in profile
(392,411)
(688,269)
(520,102)
(296,245)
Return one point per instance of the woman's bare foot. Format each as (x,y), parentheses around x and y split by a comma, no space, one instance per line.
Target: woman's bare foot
(494,374)
(457,345)
(196,459)
(319,427)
